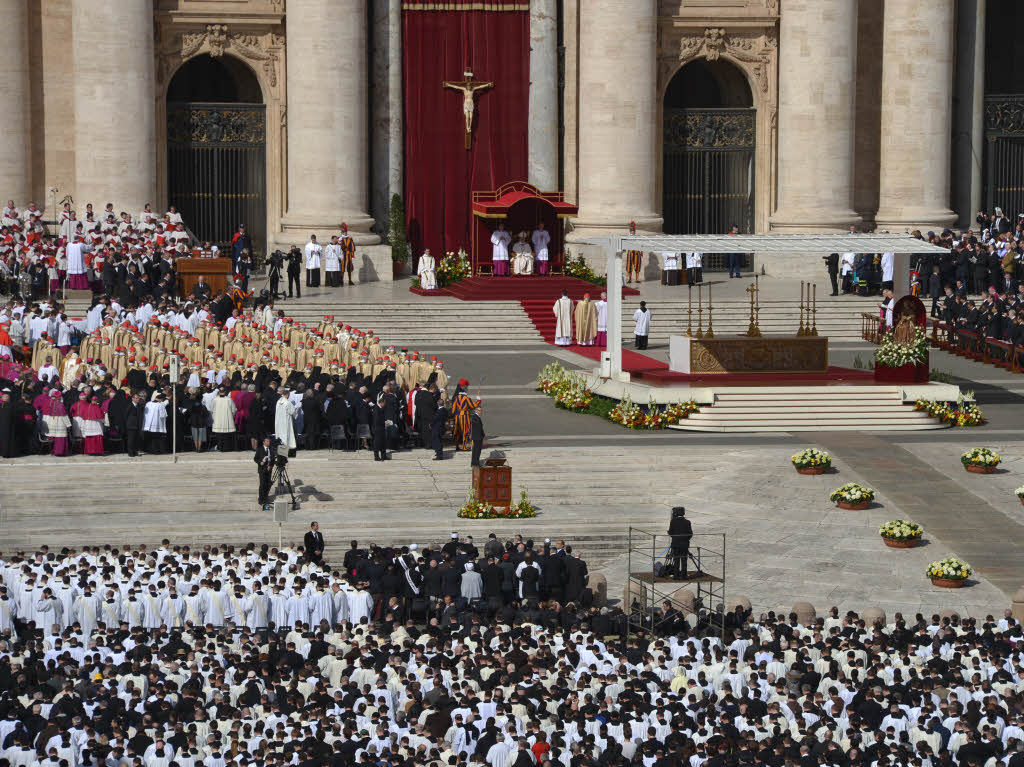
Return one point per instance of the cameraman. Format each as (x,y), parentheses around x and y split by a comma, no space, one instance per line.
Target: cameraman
(264,458)
(274,264)
(294,269)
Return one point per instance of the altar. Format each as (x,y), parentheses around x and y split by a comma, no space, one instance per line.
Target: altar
(746,354)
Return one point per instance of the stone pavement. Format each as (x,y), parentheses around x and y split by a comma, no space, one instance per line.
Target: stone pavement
(785,541)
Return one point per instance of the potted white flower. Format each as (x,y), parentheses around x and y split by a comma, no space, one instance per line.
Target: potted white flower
(948,573)
(901,534)
(980,460)
(1020,493)
(811,461)
(852,497)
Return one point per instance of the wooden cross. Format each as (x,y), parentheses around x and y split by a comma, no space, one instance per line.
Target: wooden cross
(468,87)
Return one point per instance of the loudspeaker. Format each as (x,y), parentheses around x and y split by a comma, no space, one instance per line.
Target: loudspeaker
(280,510)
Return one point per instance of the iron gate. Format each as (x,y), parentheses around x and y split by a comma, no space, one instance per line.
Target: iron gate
(216,169)
(1004,154)
(708,180)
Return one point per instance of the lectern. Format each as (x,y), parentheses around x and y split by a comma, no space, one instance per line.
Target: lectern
(492,482)
(217,272)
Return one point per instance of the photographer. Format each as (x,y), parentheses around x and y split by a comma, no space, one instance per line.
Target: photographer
(264,458)
(274,264)
(294,269)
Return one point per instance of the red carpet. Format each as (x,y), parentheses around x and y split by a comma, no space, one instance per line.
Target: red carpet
(547,289)
(661,375)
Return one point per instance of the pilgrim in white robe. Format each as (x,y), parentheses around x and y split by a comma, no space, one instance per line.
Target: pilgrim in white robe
(425,270)
(563,321)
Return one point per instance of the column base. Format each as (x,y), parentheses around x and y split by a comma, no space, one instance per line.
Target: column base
(812,221)
(584,228)
(298,226)
(909,219)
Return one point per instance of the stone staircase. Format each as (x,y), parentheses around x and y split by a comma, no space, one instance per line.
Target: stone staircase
(210,499)
(808,408)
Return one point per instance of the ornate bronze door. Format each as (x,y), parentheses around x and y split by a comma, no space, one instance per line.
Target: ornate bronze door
(708,180)
(1004,155)
(216,162)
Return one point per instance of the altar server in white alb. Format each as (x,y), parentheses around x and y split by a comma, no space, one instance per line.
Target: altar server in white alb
(499,254)
(563,320)
(426,270)
(332,263)
(77,279)
(669,268)
(602,320)
(541,238)
(313,253)
(642,320)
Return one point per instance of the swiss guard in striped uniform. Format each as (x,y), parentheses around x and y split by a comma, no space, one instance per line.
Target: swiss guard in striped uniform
(348,254)
(462,406)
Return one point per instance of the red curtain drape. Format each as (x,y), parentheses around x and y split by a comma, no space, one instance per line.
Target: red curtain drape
(440,174)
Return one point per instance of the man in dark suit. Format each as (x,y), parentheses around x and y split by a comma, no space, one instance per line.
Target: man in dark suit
(425,403)
(832,260)
(201,290)
(134,416)
(264,459)
(437,432)
(313,543)
(476,434)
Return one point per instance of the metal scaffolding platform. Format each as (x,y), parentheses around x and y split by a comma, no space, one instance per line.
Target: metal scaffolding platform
(647,557)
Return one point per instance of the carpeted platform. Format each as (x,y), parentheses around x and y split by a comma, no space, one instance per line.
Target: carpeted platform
(834,376)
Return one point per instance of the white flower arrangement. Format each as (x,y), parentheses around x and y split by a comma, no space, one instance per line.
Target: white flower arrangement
(900,530)
(852,493)
(811,457)
(950,568)
(893,354)
(1020,491)
(980,456)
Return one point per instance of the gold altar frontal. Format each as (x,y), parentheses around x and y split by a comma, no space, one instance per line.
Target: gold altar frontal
(746,354)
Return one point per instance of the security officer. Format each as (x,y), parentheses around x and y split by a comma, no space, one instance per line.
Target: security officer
(294,269)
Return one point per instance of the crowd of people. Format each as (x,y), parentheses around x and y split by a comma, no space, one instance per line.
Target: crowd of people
(242,374)
(452,655)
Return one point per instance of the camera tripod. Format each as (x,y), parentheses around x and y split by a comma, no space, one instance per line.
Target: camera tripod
(283,482)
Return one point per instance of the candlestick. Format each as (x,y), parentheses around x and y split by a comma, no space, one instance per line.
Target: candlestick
(700,311)
(757,303)
(710,333)
(814,310)
(689,311)
(800,330)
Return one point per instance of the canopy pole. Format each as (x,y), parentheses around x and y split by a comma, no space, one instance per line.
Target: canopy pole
(614,290)
(901,275)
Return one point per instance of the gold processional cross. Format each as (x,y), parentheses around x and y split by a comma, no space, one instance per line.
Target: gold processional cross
(468,87)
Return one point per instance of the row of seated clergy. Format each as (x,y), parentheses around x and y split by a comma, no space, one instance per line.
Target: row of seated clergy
(523,259)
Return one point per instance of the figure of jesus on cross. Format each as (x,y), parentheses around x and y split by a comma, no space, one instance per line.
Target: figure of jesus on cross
(469,87)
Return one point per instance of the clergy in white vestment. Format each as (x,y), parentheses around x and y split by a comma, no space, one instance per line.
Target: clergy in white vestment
(154,424)
(522,260)
(321,607)
(541,238)
(360,605)
(77,279)
(284,421)
(313,252)
(426,271)
(669,268)
(563,320)
(297,608)
(257,609)
(602,320)
(332,263)
(642,325)
(499,253)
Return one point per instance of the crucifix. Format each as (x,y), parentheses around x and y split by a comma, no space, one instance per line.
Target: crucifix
(468,87)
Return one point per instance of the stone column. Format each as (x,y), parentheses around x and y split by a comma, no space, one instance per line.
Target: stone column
(817,90)
(15,148)
(543,133)
(386,106)
(617,108)
(917,105)
(115,140)
(969,118)
(328,132)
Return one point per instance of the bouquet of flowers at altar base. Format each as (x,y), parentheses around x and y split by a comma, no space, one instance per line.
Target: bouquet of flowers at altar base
(454,267)
(523,508)
(969,414)
(581,270)
(805,459)
(893,354)
(474,508)
(964,414)
(851,492)
(900,530)
(550,376)
(980,456)
(952,568)
(572,393)
(680,410)
(628,414)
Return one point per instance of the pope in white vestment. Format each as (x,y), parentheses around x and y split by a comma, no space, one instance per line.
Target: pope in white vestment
(425,270)
(499,253)
(563,321)
(522,262)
